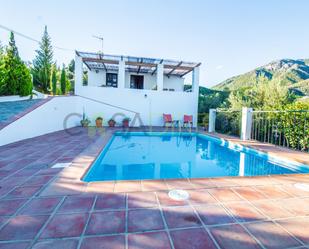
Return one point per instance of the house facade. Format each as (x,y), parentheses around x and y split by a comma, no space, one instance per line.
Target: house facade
(111,86)
(140,88)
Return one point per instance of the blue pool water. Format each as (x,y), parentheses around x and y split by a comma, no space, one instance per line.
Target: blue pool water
(133,156)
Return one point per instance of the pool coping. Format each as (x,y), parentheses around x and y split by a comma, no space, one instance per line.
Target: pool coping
(269,149)
(70,178)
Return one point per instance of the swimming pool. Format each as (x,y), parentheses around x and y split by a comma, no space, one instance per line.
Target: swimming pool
(155,155)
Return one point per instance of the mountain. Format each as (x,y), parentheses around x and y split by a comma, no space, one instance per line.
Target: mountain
(289,72)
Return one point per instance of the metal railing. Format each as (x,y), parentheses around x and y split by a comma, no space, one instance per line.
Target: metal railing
(228,122)
(283,128)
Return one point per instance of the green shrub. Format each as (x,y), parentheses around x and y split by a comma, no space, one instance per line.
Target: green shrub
(15,78)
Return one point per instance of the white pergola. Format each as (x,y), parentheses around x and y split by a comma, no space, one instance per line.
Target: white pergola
(121,64)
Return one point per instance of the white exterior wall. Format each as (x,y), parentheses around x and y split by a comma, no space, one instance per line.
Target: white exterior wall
(13,98)
(47,118)
(51,116)
(173,82)
(98,78)
(36,95)
(150,104)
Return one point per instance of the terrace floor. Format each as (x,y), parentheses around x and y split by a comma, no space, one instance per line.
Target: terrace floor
(43,207)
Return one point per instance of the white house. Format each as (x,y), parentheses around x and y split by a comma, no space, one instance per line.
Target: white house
(117,87)
(127,85)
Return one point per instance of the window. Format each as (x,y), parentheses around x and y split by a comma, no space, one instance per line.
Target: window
(111,79)
(137,81)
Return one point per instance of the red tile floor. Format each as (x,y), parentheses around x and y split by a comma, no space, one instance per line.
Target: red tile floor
(42,207)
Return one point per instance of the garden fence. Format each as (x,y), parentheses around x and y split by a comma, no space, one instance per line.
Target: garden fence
(286,128)
(283,128)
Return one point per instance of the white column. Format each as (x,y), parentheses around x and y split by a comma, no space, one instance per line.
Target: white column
(121,74)
(195,79)
(212,120)
(78,74)
(195,91)
(160,71)
(246,123)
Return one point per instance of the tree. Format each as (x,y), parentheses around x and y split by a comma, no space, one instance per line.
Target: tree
(70,74)
(1,56)
(63,80)
(54,80)
(1,52)
(42,64)
(265,95)
(12,46)
(25,81)
(15,78)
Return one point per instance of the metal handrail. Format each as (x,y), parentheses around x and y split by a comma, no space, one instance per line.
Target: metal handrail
(226,110)
(287,128)
(260,111)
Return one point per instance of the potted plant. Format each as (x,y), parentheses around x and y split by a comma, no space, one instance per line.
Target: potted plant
(98,122)
(85,121)
(125,122)
(111,123)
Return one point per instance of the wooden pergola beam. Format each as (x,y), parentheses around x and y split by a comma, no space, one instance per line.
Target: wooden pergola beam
(190,70)
(140,64)
(88,66)
(139,67)
(103,62)
(170,72)
(100,61)
(186,72)
(155,70)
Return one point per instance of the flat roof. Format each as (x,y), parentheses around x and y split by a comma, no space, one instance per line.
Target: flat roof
(108,62)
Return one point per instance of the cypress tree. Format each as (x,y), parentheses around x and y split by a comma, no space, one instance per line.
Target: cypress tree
(12,48)
(70,74)
(42,64)
(54,80)
(63,80)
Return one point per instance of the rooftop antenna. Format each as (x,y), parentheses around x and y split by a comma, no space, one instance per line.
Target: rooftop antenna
(101,39)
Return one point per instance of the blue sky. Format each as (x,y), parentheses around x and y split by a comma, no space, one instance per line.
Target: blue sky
(229,37)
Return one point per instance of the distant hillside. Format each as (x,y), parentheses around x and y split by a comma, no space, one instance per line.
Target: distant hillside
(302,86)
(291,73)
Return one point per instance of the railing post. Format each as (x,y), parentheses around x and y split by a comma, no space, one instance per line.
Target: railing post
(246,123)
(212,120)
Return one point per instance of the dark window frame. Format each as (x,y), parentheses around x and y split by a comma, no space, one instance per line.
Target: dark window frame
(142,82)
(111,83)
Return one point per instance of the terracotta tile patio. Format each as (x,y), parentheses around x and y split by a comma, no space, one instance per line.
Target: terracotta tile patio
(43,207)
